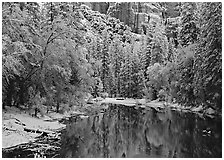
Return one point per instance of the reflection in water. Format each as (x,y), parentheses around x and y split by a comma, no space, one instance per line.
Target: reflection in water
(128,132)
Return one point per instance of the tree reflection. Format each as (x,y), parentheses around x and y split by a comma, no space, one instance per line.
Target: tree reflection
(128,132)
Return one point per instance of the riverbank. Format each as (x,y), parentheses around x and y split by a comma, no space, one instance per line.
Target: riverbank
(162,106)
(19,128)
(24,134)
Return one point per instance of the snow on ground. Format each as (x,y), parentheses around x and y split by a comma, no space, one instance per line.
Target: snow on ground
(13,139)
(133,102)
(127,102)
(37,123)
(14,121)
(160,104)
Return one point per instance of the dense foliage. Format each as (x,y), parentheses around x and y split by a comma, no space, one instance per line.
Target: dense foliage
(54,54)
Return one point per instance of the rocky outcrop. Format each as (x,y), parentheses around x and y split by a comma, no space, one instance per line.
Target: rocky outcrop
(124,12)
(149,7)
(102,7)
(136,14)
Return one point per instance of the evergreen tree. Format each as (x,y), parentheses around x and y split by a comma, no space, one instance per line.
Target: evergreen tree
(189,29)
(208,63)
(105,63)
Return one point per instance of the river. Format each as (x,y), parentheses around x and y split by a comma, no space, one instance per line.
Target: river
(128,131)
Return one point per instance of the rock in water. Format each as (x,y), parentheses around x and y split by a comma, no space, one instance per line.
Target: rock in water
(210,111)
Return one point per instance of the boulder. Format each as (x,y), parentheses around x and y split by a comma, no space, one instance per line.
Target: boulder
(210,111)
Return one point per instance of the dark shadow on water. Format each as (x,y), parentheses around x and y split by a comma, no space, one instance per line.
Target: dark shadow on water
(128,132)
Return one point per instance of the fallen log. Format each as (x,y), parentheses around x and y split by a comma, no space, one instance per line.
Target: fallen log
(9,129)
(38,131)
(18,146)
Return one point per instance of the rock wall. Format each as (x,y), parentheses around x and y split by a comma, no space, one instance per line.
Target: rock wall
(102,7)
(136,14)
(124,12)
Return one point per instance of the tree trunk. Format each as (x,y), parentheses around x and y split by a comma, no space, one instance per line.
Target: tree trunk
(21,93)
(35,112)
(3,105)
(58,106)
(10,93)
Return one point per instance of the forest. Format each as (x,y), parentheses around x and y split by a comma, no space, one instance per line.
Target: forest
(55,54)
(111,79)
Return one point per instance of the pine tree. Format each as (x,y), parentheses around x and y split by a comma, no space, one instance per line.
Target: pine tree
(116,51)
(105,63)
(189,30)
(208,63)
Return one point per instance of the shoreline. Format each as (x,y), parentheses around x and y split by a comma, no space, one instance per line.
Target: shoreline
(21,129)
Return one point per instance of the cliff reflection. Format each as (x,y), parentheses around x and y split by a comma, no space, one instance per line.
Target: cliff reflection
(128,132)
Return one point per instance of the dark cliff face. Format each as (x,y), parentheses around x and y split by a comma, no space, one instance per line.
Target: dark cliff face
(102,7)
(124,12)
(137,14)
(133,14)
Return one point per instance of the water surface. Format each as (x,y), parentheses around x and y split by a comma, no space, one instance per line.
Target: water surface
(123,131)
